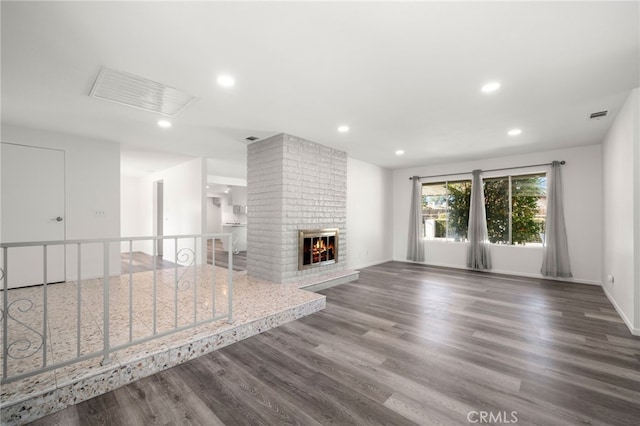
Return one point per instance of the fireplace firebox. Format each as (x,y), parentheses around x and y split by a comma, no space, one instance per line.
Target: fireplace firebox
(317,247)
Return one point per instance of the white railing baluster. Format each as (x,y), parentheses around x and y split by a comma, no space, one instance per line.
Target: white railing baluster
(130,290)
(44,306)
(230,279)
(155,287)
(49,363)
(213,279)
(195,281)
(175,287)
(105,288)
(79,296)
(5,313)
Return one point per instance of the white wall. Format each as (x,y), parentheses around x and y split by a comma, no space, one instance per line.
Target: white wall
(214,217)
(621,221)
(183,198)
(92,183)
(583,214)
(184,204)
(131,218)
(369,214)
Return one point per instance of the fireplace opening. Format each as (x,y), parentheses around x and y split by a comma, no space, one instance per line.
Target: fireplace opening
(317,247)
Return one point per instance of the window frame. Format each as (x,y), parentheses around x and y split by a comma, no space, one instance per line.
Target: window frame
(446,184)
(510,177)
(460,179)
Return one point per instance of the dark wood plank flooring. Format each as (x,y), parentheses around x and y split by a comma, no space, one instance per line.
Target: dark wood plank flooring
(222,257)
(142,262)
(406,344)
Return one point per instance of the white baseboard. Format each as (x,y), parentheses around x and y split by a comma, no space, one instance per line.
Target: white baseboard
(628,323)
(438,265)
(539,276)
(512,273)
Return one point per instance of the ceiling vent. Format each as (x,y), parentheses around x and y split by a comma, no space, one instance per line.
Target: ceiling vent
(252,138)
(598,115)
(139,92)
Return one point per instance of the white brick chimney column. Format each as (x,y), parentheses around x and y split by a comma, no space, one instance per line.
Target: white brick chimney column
(292,184)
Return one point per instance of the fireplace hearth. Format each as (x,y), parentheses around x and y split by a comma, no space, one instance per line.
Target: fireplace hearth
(317,247)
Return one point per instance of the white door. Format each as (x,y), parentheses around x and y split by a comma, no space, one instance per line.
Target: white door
(32,210)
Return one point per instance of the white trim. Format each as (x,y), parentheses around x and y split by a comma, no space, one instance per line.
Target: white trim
(635,99)
(634,331)
(531,246)
(542,277)
(515,274)
(440,265)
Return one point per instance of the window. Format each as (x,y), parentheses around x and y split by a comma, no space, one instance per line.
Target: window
(516,209)
(445,210)
(515,206)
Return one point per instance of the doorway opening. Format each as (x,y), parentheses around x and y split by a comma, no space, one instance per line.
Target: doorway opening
(33,210)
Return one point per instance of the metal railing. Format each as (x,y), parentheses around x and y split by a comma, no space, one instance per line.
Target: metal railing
(136,307)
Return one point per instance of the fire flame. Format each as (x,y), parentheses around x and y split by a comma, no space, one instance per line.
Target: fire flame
(319,247)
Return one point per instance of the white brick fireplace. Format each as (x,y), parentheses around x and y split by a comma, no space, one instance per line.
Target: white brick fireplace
(292,185)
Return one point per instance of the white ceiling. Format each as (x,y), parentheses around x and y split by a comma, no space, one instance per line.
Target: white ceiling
(401,75)
(138,161)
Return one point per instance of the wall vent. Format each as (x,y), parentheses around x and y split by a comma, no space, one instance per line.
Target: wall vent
(139,92)
(598,115)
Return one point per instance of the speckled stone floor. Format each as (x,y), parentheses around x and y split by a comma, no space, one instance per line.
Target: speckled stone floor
(257,306)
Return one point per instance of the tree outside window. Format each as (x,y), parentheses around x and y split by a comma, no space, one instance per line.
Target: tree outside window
(529,208)
(445,210)
(515,207)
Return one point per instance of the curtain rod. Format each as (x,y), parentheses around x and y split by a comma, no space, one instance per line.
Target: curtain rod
(490,170)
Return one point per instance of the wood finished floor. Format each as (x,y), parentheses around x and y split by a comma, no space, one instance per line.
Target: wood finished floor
(222,257)
(403,345)
(142,262)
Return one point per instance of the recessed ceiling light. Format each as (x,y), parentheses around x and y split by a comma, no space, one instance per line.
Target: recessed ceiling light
(514,132)
(400,152)
(490,87)
(343,129)
(226,80)
(164,124)
(207,186)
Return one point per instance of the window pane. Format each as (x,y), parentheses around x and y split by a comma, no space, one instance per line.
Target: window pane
(434,210)
(459,202)
(529,204)
(496,198)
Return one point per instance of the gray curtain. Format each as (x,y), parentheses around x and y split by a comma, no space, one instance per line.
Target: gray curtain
(478,252)
(555,255)
(415,247)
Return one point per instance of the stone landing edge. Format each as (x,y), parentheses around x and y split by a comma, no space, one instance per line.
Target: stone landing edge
(114,376)
(329,280)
